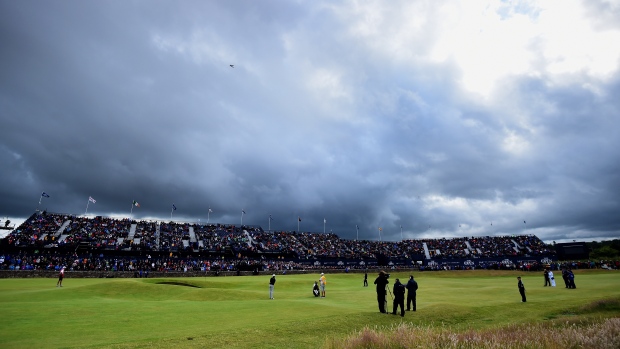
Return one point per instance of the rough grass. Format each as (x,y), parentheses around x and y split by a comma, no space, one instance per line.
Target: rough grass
(602,334)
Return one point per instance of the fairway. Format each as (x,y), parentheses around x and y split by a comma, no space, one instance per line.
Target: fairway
(236,312)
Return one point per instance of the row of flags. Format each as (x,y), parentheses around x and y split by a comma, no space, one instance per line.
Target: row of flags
(174,208)
(134,203)
(91,199)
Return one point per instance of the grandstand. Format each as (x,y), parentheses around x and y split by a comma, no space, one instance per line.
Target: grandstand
(137,242)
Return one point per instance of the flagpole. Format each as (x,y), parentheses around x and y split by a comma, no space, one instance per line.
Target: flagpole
(87,202)
(131,212)
(380,233)
(40,200)
(298,220)
(172,210)
(357,228)
(324,221)
(242,212)
(208,215)
(269,229)
(401,233)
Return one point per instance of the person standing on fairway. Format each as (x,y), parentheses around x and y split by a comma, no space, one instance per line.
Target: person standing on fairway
(571,278)
(551,278)
(323,282)
(381,281)
(272,284)
(61,275)
(565,277)
(521,289)
(365,279)
(399,298)
(412,288)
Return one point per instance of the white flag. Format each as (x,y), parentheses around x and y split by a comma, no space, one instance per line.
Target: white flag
(90,198)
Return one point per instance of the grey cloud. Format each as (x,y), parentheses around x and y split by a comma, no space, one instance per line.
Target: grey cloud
(128,102)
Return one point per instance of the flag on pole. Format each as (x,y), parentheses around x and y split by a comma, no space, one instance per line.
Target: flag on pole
(524,222)
(43,194)
(380,229)
(298,219)
(324,220)
(135,203)
(90,198)
(174,208)
(243,211)
(210,210)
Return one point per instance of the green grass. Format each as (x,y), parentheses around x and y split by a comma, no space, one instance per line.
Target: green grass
(235,312)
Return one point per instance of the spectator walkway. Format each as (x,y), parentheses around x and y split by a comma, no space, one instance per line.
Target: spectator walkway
(192,234)
(132,231)
(426,252)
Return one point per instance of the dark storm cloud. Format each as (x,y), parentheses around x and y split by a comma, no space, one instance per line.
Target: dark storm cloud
(328,114)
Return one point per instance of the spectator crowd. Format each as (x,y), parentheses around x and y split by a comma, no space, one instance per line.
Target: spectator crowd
(48,240)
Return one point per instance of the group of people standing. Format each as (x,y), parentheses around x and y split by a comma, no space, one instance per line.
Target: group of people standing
(411,288)
(398,297)
(567,275)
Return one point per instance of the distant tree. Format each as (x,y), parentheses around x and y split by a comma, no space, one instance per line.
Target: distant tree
(605,252)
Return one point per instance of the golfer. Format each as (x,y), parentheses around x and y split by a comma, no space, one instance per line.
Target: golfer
(61,275)
(521,289)
(272,284)
(323,282)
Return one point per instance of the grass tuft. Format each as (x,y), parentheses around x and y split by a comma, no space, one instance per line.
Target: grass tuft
(601,305)
(603,334)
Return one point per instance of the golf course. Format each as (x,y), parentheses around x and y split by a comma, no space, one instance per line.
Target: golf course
(236,312)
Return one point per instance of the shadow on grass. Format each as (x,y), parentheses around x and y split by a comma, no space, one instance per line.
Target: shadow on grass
(177,283)
(601,307)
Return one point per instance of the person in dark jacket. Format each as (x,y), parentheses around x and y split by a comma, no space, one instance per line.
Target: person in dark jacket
(399,298)
(521,289)
(272,285)
(381,281)
(571,278)
(412,288)
(565,277)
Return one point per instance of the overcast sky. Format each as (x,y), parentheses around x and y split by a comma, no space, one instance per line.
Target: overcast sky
(448,118)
